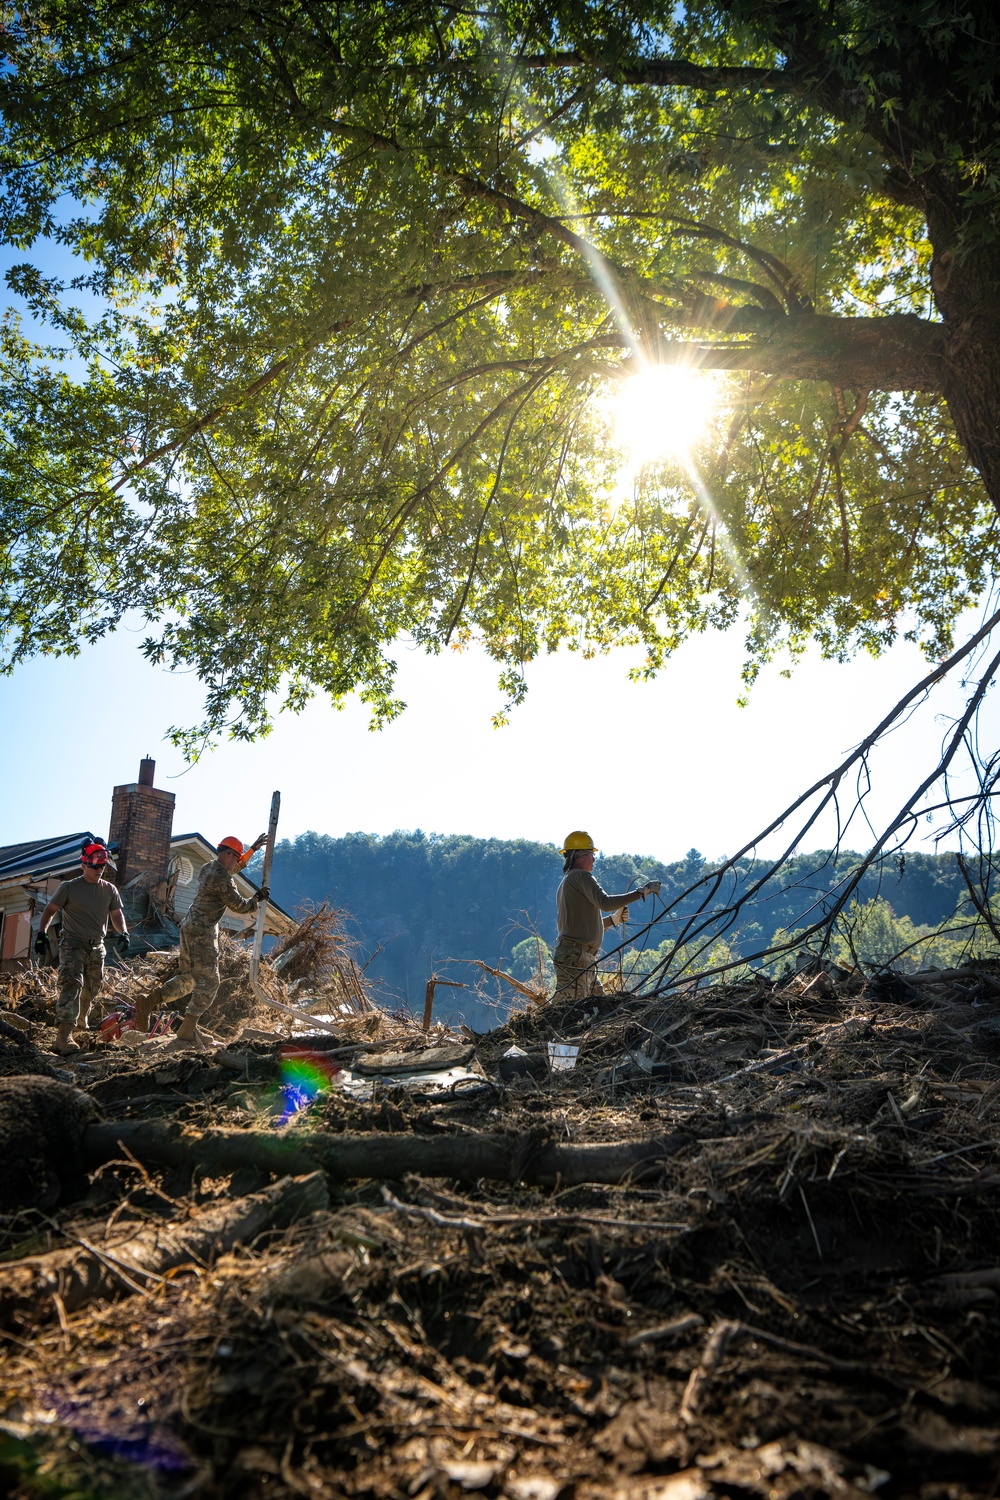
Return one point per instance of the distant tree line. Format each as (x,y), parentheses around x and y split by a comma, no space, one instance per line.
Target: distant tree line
(430,903)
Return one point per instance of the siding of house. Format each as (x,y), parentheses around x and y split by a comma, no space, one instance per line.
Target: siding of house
(15,940)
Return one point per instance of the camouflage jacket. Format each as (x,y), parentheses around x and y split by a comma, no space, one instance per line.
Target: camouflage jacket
(217,893)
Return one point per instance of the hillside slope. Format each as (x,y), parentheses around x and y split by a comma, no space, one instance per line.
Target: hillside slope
(429,898)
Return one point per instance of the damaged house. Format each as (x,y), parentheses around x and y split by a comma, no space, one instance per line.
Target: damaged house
(155,869)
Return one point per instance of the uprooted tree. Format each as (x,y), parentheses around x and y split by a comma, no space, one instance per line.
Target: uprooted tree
(321,301)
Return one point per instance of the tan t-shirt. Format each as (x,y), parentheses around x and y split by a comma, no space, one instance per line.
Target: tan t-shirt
(579,904)
(86,906)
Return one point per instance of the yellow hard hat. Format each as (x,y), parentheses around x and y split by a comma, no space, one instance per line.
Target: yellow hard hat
(578,841)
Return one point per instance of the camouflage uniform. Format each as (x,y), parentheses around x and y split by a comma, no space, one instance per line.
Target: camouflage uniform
(576,969)
(198,974)
(81,972)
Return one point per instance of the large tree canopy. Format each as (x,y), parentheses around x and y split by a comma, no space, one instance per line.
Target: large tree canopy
(345,286)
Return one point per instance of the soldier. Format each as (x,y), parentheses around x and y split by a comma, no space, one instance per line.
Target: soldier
(581,904)
(87,904)
(198,974)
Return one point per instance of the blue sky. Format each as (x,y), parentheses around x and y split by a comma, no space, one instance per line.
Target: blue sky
(648,768)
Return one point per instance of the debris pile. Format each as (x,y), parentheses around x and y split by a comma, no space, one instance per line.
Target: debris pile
(435,1291)
(312,967)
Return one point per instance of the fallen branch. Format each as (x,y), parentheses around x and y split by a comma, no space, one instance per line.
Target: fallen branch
(386,1157)
(88,1271)
(536,997)
(949,976)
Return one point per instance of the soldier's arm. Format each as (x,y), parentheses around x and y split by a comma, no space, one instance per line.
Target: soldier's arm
(56,903)
(236,902)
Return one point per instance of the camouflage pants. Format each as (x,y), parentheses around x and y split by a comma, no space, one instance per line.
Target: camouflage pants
(81,970)
(198,974)
(576,970)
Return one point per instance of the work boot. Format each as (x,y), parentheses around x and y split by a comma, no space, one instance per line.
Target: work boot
(145,1006)
(188,1036)
(64,1043)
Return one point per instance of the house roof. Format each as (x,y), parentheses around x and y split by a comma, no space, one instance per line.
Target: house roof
(42,855)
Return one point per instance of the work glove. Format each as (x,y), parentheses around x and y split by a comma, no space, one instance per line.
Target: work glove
(259,843)
(620,916)
(652,887)
(41,945)
(121,941)
(264,894)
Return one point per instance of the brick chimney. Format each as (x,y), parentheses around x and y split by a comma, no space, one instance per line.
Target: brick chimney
(142,818)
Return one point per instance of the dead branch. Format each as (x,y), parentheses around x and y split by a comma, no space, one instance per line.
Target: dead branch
(522,989)
(982,907)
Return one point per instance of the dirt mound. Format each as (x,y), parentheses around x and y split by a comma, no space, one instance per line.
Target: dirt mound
(802,1303)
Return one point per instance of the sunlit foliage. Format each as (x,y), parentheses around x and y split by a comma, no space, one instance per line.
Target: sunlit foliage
(313,310)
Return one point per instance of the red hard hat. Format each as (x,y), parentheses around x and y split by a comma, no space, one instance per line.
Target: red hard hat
(236,845)
(95,854)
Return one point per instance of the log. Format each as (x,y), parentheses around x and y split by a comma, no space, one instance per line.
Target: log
(347,1157)
(214,1152)
(949,976)
(87,1271)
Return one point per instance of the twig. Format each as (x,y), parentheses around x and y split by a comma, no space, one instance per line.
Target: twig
(665,1331)
(712,1355)
(451,1221)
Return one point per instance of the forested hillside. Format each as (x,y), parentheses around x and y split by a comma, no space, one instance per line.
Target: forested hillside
(426,899)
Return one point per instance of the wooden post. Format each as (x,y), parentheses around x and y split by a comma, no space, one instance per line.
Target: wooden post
(265,879)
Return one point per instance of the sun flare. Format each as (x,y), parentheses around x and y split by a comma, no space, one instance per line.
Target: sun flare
(661,412)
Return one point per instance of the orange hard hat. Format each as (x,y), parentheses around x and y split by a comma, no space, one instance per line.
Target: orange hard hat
(236,845)
(95,854)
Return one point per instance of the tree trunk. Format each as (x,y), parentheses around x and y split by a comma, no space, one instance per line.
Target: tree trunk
(966,286)
(972,390)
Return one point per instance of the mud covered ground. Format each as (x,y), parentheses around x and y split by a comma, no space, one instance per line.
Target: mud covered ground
(802,1301)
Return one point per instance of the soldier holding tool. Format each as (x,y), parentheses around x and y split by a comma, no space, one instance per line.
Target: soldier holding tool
(580,905)
(87,904)
(198,973)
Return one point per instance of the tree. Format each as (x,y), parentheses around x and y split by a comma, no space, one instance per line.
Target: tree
(352,280)
(531,962)
(869,933)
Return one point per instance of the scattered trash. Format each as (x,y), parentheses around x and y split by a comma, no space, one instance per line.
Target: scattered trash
(562,1056)
(516,1063)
